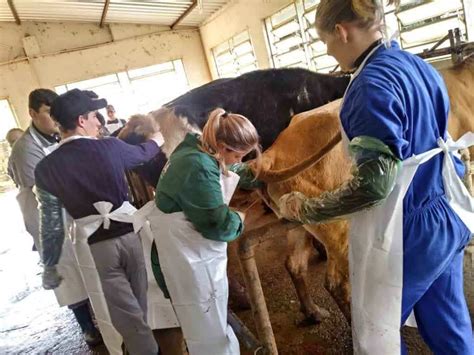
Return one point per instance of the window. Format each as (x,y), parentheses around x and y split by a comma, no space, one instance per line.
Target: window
(137,90)
(423,23)
(235,56)
(293,40)
(286,37)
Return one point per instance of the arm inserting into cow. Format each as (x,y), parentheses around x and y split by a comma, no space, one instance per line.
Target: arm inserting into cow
(247,181)
(374,176)
(51,237)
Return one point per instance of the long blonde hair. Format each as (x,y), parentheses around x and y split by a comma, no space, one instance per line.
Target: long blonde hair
(235,132)
(365,13)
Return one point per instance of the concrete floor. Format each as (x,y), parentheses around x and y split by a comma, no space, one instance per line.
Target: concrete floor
(31,322)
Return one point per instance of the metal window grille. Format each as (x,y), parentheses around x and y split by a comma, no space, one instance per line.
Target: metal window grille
(423,23)
(293,40)
(235,56)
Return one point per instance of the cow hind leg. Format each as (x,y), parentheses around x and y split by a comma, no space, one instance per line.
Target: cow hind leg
(334,237)
(300,249)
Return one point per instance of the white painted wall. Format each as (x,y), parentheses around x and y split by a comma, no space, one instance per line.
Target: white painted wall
(236,17)
(73,52)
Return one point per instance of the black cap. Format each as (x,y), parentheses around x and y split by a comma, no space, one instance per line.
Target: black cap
(66,108)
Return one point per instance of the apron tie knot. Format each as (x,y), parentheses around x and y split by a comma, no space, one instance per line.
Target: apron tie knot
(104,208)
(444,145)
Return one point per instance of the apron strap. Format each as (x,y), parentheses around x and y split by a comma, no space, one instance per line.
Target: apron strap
(90,224)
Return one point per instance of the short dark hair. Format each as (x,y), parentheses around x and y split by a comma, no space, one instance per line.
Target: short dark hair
(40,97)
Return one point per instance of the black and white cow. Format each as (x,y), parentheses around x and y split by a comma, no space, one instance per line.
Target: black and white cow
(268,98)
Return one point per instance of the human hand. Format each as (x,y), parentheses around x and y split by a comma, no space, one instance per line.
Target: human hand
(51,278)
(290,205)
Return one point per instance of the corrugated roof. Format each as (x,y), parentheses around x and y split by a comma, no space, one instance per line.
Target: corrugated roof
(158,12)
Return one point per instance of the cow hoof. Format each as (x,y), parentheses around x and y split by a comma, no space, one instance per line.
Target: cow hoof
(314,317)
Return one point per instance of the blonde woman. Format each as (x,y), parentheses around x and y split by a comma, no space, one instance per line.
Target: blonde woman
(407,237)
(193,225)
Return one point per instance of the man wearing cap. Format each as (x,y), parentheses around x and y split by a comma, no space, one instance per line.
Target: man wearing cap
(83,175)
(40,139)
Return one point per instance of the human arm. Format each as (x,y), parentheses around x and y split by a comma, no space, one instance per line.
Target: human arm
(51,236)
(247,178)
(134,155)
(23,161)
(374,119)
(374,176)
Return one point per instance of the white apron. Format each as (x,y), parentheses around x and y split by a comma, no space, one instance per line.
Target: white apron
(376,250)
(160,312)
(71,290)
(195,270)
(83,229)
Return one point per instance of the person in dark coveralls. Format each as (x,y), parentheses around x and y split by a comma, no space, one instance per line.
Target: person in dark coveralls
(81,172)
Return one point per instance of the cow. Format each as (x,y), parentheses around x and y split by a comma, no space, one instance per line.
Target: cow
(268,98)
(308,133)
(188,113)
(459,80)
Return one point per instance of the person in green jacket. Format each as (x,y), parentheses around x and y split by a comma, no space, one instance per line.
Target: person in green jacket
(193,224)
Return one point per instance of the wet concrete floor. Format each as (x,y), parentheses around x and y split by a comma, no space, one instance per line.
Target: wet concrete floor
(31,322)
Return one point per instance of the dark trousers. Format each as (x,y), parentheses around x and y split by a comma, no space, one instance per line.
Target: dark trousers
(82,312)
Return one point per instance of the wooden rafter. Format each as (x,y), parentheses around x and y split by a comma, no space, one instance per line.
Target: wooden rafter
(13,10)
(104,13)
(184,14)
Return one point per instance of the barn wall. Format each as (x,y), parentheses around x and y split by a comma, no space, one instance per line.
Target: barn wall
(49,54)
(236,17)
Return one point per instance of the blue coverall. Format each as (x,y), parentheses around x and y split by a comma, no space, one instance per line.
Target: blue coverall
(401,100)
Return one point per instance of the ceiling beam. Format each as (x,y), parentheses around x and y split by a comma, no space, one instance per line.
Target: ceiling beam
(184,14)
(13,10)
(104,13)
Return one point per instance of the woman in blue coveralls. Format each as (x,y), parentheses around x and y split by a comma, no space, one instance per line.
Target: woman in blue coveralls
(396,107)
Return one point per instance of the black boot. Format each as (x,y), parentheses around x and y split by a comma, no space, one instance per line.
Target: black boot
(84,318)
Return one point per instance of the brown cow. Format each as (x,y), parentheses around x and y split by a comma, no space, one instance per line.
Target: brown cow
(459,80)
(326,175)
(308,133)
